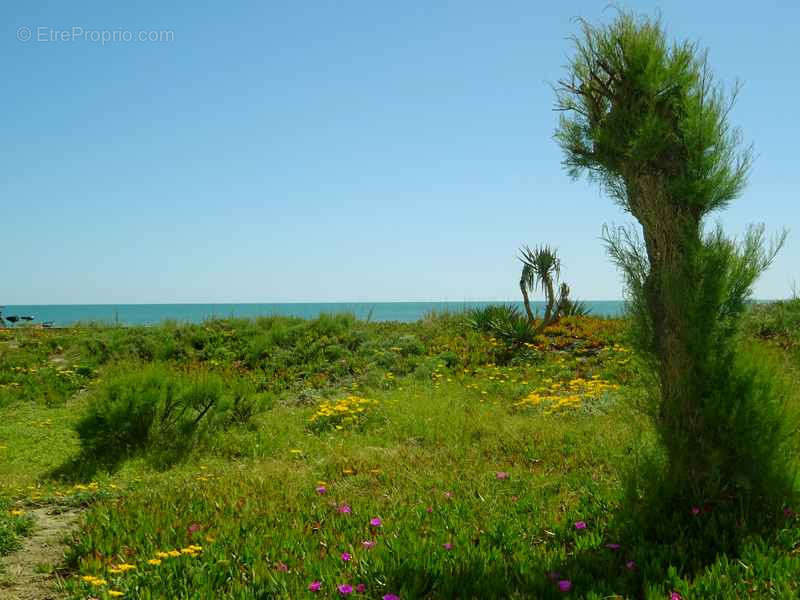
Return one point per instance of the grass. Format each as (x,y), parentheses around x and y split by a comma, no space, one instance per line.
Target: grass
(479,456)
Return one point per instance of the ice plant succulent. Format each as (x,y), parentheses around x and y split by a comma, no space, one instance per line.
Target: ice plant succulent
(314,586)
(565,585)
(345,589)
(376,522)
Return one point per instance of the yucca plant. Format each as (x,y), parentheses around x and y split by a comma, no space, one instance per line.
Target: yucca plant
(541,268)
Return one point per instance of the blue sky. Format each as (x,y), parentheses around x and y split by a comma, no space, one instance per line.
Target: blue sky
(325,151)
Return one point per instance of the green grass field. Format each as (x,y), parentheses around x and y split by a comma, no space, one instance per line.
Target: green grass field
(282,458)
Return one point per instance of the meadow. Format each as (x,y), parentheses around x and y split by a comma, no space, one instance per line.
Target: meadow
(334,457)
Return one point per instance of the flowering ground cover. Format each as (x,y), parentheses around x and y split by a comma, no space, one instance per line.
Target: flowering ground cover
(335,458)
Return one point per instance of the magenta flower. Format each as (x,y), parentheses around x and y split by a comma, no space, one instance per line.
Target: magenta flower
(675,596)
(501,475)
(345,589)
(193,528)
(346,556)
(376,522)
(321,489)
(613,547)
(630,565)
(361,588)
(391,597)
(447,546)
(580,525)
(368,544)
(314,586)
(695,510)
(345,509)
(565,585)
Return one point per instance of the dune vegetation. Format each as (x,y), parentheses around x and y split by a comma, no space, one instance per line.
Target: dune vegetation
(334,457)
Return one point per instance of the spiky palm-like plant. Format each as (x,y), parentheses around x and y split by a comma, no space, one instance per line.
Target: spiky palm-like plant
(541,268)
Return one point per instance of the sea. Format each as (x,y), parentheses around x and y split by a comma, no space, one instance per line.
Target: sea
(60,315)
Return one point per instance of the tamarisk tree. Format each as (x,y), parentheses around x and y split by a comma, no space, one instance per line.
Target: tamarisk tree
(645,119)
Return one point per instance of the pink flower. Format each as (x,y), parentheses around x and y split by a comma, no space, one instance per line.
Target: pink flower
(345,509)
(580,525)
(695,510)
(368,544)
(447,546)
(630,565)
(361,588)
(193,528)
(346,556)
(448,494)
(501,475)
(429,509)
(345,589)
(614,547)
(376,522)
(314,586)
(675,596)
(391,597)
(321,489)
(565,585)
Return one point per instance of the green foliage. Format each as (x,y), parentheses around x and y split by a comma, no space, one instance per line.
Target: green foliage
(443,419)
(12,527)
(158,412)
(645,118)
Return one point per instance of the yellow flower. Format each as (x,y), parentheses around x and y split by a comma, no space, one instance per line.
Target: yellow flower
(125,567)
(154,561)
(162,554)
(115,593)
(174,553)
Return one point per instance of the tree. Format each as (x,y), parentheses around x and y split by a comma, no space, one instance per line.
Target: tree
(645,119)
(541,267)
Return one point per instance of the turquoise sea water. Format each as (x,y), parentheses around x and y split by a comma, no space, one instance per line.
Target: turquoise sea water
(150,314)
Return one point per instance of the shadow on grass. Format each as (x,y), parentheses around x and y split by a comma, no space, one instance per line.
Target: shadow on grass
(632,560)
(85,466)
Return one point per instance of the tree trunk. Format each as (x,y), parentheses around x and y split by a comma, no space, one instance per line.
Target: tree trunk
(525,300)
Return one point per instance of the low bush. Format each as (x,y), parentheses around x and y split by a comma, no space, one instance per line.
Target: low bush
(159,412)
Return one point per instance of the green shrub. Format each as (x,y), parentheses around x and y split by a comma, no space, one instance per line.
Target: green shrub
(160,413)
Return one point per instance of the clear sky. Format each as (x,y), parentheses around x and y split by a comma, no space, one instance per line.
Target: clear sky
(324,151)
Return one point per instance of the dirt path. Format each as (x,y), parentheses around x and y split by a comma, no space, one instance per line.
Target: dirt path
(29,573)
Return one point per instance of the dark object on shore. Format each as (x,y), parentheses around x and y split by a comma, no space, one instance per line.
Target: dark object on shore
(47,324)
(12,319)
(27,318)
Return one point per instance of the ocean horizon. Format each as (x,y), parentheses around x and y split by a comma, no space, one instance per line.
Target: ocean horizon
(151,314)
